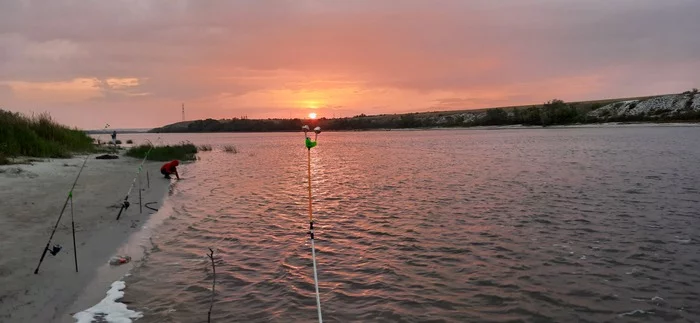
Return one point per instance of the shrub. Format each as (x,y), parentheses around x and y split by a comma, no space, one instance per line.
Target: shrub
(230,149)
(557,112)
(129,141)
(496,117)
(205,147)
(39,136)
(118,142)
(183,151)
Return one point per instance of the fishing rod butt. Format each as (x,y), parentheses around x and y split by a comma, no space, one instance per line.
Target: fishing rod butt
(36,271)
(119,215)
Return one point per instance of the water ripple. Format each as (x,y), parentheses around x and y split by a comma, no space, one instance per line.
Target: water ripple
(557,225)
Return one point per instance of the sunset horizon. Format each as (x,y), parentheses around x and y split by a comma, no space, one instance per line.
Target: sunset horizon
(349,160)
(133,65)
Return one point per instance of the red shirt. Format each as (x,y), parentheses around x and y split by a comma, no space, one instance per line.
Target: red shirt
(170,167)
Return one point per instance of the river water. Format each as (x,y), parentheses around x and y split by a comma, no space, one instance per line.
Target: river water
(595,224)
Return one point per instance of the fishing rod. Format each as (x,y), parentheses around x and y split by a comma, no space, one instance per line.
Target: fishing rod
(125,203)
(56,248)
(311,144)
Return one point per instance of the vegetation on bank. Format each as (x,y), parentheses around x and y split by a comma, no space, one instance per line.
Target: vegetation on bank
(554,112)
(182,151)
(39,136)
(230,149)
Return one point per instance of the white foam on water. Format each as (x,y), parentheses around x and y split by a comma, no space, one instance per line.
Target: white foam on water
(109,310)
(634,313)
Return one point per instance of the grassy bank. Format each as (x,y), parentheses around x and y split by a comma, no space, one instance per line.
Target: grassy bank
(183,151)
(39,136)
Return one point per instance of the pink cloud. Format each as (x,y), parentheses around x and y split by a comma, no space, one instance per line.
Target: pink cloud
(280,58)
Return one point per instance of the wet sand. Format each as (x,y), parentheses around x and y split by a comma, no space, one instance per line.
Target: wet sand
(31,198)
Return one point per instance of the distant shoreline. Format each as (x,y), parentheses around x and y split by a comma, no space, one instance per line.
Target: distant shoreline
(674,108)
(97,132)
(501,127)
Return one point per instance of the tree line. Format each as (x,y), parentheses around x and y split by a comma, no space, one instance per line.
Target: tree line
(554,112)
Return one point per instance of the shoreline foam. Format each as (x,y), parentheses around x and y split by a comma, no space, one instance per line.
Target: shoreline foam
(109,309)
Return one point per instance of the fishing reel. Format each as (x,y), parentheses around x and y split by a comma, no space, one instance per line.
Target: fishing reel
(125,205)
(55,249)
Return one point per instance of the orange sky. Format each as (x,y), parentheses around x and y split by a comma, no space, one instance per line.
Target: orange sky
(132,63)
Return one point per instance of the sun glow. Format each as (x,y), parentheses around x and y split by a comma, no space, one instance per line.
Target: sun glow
(312,115)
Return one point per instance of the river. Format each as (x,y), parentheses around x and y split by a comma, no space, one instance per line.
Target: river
(590,224)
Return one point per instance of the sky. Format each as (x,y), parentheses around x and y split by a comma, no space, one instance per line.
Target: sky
(132,63)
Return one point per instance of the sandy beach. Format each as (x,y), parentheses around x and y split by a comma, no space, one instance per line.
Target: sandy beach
(31,198)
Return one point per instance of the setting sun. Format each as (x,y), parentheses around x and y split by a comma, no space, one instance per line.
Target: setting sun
(312,115)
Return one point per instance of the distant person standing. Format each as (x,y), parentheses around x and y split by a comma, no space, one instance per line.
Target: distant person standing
(170,168)
(114,137)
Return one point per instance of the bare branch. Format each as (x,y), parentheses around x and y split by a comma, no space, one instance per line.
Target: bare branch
(213,285)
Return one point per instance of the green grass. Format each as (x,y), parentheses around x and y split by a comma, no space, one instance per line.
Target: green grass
(39,136)
(183,151)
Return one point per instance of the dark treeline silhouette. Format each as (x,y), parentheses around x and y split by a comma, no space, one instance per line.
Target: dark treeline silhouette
(554,112)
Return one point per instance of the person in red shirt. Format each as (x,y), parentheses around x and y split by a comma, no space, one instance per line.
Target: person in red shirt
(170,168)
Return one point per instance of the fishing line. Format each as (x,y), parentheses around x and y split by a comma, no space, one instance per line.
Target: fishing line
(311,144)
(56,248)
(125,203)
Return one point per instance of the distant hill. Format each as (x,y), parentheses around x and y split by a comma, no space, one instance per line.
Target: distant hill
(683,107)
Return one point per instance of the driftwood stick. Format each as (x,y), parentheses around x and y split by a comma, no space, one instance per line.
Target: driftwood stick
(213,285)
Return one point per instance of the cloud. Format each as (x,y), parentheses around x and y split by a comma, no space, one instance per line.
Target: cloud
(121,83)
(369,56)
(76,90)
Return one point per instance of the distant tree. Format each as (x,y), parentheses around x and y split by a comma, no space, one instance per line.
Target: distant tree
(531,116)
(458,120)
(557,112)
(496,117)
(517,116)
(408,121)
